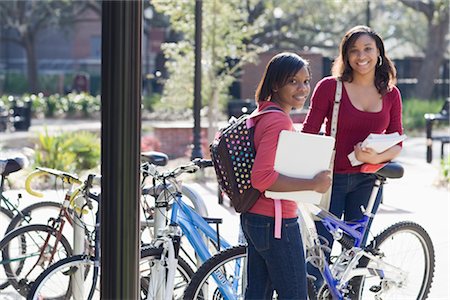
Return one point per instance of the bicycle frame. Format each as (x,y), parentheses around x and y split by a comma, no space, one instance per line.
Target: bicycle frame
(352,232)
(192,226)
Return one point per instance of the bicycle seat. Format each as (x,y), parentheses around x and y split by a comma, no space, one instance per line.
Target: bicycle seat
(154,157)
(386,170)
(11,165)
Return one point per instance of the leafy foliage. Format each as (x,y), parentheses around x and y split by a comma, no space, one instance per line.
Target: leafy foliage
(71,151)
(414,110)
(225,47)
(70,105)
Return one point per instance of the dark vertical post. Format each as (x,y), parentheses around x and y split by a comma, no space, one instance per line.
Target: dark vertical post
(429,137)
(368,13)
(197,150)
(121,129)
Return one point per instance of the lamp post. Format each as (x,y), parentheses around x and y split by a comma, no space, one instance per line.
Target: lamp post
(277,14)
(148,16)
(197,150)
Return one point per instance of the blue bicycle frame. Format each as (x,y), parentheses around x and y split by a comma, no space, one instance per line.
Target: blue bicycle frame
(354,230)
(192,226)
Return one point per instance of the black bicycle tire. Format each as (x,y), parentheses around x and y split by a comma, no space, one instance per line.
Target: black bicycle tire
(205,270)
(7,212)
(152,251)
(427,243)
(22,231)
(48,271)
(8,215)
(16,220)
(145,252)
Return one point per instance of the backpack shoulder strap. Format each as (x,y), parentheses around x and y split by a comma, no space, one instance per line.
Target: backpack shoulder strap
(250,120)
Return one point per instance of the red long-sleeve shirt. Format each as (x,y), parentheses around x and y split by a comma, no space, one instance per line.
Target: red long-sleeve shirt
(353,125)
(267,131)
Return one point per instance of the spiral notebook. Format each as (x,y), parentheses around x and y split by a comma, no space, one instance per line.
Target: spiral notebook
(301,155)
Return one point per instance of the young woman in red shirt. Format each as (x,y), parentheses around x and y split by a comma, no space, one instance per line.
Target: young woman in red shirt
(277,263)
(370,103)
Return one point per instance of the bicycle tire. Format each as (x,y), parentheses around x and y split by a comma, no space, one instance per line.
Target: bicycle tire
(182,277)
(23,267)
(392,247)
(5,218)
(57,276)
(28,211)
(202,282)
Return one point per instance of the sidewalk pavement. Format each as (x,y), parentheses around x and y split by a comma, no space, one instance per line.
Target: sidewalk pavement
(414,197)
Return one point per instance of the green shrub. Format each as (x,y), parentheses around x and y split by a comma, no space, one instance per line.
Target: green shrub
(71,151)
(445,169)
(149,101)
(414,110)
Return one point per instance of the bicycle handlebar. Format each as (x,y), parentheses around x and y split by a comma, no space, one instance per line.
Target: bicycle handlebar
(192,167)
(64,176)
(67,178)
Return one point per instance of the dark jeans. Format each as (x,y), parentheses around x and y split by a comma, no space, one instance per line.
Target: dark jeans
(350,192)
(274,264)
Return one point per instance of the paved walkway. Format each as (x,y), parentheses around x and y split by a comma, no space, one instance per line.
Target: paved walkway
(414,197)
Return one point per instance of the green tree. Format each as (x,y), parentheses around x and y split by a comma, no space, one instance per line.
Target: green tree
(320,27)
(436,42)
(23,20)
(225,49)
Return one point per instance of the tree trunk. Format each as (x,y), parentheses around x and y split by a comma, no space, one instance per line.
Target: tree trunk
(32,72)
(434,56)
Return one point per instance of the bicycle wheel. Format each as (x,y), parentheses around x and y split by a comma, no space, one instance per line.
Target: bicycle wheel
(183,274)
(5,218)
(27,251)
(37,213)
(227,267)
(59,281)
(407,246)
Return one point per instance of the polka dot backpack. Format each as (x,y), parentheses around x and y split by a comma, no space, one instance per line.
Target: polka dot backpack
(233,153)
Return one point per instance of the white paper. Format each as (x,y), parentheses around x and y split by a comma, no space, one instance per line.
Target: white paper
(301,155)
(379,143)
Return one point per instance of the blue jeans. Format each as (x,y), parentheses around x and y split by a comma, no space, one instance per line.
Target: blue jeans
(350,192)
(274,264)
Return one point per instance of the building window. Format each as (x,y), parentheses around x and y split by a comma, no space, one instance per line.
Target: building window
(96,46)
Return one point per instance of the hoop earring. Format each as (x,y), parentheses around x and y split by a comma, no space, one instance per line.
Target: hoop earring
(381,61)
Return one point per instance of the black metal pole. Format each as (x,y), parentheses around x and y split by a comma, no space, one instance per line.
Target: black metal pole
(368,13)
(197,150)
(121,129)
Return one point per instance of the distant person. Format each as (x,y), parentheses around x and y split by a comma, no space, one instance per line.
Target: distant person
(80,83)
(370,103)
(275,254)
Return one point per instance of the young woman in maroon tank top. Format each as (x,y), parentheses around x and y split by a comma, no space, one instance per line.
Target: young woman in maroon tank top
(370,103)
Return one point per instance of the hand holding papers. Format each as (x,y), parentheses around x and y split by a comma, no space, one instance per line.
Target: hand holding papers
(301,155)
(379,143)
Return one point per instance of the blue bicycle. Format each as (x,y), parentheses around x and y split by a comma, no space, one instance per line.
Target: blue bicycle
(397,264)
